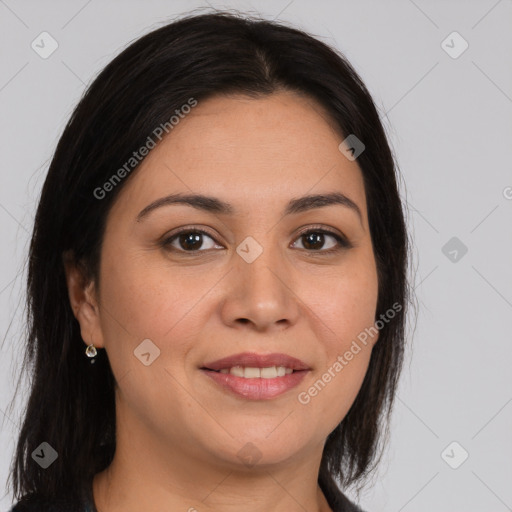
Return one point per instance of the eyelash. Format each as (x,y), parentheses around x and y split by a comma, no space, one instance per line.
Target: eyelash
(343,243)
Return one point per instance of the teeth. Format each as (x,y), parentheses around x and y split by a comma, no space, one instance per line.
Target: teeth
(255,373)
(268,373)
(237,371)
(252,373)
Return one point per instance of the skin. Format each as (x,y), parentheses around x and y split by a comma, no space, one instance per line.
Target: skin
(179,433)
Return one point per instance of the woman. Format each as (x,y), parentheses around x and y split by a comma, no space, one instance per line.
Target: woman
(220,233)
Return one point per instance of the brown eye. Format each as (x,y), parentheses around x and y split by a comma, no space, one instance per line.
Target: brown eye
(315,240)
(189,241)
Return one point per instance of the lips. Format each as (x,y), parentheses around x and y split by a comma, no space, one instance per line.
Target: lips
(256,383)
(253,360)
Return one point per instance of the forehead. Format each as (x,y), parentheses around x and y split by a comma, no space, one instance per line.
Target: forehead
(246,151)
(274,129)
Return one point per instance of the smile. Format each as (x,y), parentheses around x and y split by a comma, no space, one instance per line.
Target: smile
(255,373)
(256,377)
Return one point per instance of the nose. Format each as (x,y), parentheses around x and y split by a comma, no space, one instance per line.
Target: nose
(260,295)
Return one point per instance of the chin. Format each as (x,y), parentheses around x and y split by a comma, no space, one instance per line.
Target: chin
(257,447)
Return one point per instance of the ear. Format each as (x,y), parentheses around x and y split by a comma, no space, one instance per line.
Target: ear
(84,301)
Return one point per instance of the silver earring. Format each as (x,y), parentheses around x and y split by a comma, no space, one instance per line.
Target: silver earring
(91,352)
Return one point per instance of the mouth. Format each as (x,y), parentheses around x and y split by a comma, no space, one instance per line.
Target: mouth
(256,377)
(248,372)
(251,360)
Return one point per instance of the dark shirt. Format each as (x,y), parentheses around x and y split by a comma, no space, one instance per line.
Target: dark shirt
(337,501)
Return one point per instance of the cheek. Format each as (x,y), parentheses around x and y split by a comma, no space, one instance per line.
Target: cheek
(140,302)
(343,318)
(345,302)
(151,301)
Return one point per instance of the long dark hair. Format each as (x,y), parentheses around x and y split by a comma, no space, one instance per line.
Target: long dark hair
(71,404)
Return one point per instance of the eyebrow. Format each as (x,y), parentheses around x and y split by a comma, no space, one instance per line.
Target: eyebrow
(215,205)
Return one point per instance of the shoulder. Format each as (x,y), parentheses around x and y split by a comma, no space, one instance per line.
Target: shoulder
(343,504)
(351,507)
(36,503)
(337,499)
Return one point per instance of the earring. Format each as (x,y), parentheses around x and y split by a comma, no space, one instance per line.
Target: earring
(91,352)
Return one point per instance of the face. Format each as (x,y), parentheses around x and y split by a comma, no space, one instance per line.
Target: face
(252,271)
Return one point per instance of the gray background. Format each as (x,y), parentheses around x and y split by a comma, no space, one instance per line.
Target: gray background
(449,121)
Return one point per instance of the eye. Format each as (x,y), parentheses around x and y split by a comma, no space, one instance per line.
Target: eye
(313,239)
(190,240)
